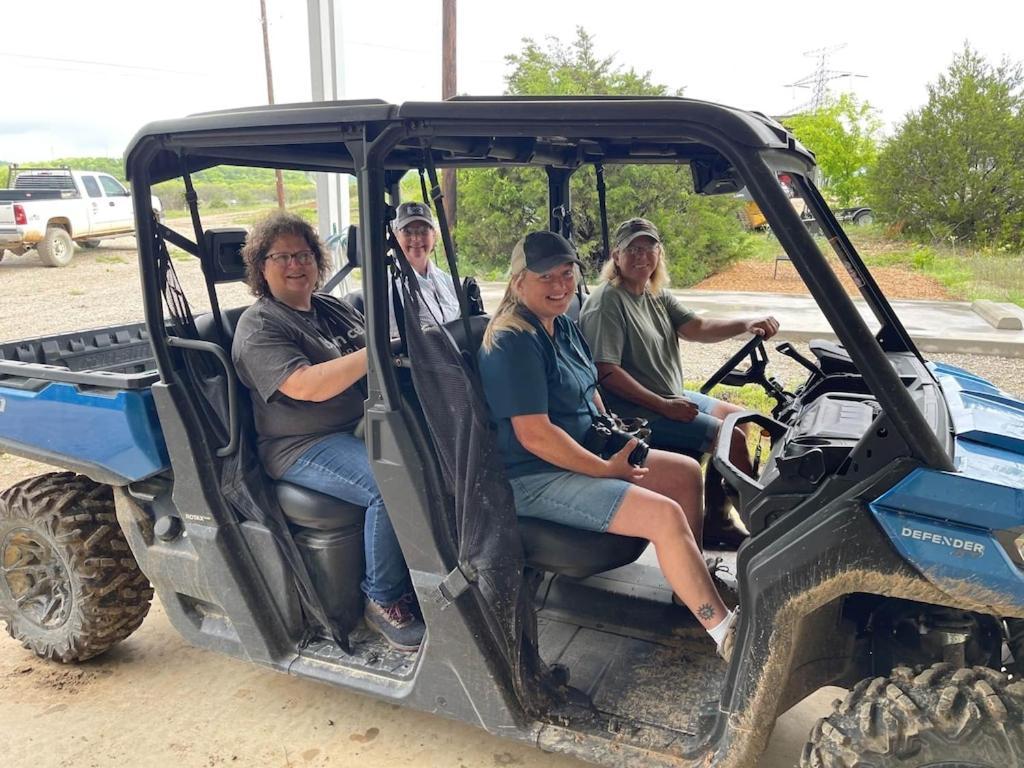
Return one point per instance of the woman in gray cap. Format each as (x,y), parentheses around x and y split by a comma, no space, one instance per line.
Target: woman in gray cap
(541,386)
(414,230)
(633,325)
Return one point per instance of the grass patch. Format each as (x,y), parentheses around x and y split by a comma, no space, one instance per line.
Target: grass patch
(105,258)
(761,246)
(967,273)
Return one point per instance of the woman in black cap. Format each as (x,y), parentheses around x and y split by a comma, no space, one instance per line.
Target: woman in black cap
(541,386)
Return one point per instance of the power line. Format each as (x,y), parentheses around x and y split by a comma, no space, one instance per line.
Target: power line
(24,57)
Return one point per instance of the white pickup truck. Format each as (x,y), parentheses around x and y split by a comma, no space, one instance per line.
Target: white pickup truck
(51,209)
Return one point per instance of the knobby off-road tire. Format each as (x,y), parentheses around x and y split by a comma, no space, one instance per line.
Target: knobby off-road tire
(69,585)
(56,248)
(943,717)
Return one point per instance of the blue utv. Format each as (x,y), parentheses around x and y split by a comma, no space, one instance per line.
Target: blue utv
(886,547)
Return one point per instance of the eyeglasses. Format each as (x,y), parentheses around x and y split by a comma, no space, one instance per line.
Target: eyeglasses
(411,231)
(643,250)
(301,257)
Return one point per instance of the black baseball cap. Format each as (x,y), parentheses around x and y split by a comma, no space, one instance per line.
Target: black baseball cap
(541,251)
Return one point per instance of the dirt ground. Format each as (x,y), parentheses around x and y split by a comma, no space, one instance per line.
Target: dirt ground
(782,277)
(154,700)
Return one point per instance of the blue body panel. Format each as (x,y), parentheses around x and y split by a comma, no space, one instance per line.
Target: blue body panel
(116,431)
(944,522)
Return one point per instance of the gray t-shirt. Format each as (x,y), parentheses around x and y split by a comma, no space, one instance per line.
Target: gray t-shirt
(272,341)
(639,334)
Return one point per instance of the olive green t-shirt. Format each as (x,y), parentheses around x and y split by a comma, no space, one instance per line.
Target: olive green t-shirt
(639,334)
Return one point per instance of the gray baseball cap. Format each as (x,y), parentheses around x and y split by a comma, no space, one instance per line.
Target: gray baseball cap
(410,212)
(631,229)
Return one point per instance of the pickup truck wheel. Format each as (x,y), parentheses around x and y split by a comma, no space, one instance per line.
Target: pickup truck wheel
(89,243)
(944,717)
(56,248)
(69,586)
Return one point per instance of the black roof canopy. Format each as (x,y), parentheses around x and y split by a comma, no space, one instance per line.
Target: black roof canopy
(462,132)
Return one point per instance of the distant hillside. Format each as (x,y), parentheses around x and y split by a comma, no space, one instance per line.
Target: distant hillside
(221,187)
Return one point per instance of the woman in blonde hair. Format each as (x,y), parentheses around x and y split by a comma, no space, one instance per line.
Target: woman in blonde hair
(541,386)
(633,325)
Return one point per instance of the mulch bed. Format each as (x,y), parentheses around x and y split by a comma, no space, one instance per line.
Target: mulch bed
(756,276)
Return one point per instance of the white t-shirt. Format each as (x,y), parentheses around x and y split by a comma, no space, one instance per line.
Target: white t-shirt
(440,302)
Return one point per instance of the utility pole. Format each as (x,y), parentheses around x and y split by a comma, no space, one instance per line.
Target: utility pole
(270,92)
(448,89)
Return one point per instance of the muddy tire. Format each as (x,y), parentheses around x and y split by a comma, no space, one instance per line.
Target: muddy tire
(943,717)
(56,248)
(69,586)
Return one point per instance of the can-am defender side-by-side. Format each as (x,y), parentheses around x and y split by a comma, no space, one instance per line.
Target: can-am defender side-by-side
(887,521)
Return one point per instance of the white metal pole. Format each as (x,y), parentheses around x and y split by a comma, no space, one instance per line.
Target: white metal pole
(327,78)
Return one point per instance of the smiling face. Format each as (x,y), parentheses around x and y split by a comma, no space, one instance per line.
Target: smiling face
(290,281)
(548,294)
(417,242)
(638,261)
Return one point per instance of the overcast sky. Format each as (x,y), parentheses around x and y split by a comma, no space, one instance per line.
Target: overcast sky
(80,78)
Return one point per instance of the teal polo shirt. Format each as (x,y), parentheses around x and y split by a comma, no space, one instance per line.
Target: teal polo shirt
(531,373)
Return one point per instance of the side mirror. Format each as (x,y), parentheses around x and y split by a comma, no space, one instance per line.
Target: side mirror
(353,253)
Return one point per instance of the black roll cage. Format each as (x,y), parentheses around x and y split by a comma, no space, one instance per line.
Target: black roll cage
(725,148)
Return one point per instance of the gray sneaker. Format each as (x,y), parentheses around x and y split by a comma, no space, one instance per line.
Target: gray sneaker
(728,644)
(396,622)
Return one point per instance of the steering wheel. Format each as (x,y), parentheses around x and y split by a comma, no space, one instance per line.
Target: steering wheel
(754,349)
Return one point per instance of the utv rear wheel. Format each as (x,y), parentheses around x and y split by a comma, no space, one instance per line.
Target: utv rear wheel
(69,586)
(944,717)
(56,248)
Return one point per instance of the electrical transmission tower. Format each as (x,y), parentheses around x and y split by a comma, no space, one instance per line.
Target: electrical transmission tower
(818,80)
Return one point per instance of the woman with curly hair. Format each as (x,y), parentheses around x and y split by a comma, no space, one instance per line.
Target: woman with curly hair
(306,370)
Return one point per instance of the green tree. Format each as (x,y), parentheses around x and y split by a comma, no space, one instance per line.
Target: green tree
(497,206)
(955,168)
(843,134)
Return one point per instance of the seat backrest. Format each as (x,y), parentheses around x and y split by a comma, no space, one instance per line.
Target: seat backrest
(456,329)
(573,312)
(355,298)
(207,329)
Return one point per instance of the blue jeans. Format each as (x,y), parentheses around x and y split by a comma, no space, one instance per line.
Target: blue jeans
(339,466)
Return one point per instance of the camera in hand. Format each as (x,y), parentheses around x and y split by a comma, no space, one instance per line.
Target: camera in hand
(608,435)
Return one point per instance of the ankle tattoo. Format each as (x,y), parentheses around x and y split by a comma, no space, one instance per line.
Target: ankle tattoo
(706,612)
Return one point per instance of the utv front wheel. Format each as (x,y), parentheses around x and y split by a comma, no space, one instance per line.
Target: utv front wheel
(69,586)
(944,717)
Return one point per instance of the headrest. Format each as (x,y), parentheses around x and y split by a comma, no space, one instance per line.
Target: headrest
(224,250)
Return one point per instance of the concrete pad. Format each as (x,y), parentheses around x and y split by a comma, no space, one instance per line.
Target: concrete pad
(998,315)
(944,327)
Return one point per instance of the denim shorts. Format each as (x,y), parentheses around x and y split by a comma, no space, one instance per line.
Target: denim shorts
(569,498)
(696,437)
